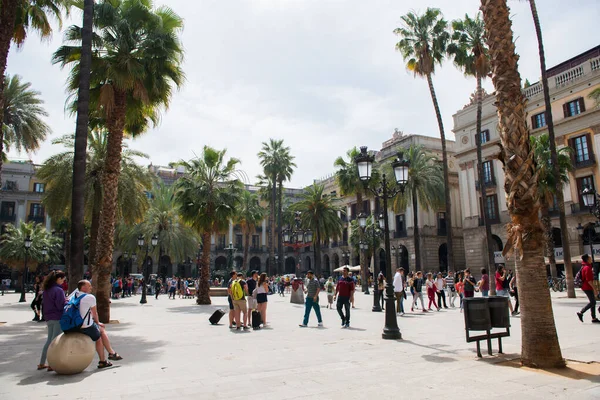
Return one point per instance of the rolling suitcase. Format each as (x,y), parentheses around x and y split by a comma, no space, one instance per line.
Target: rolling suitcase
(256,319)
(216,317)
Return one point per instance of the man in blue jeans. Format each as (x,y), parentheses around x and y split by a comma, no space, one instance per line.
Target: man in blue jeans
(343,292)
(312,299)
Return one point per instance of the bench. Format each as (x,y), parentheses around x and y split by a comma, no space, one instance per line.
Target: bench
(217,292)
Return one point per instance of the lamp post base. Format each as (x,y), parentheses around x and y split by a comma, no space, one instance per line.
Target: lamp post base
(390,330)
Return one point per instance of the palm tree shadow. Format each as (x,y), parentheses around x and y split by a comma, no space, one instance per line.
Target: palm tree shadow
(589,371)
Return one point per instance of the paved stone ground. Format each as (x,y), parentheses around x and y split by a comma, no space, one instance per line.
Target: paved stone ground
(171,352)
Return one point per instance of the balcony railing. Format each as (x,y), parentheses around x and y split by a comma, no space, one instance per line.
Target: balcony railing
(38,219)
(585,163)
(8,218)
(577,208)
(399,234)
(488,183)
(565,78)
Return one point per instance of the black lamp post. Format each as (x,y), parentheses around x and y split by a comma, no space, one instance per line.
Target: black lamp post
(581,232)
(591,201)
(297,238)
(230,250)
(362,222)
(24,275)
(141,243)
(364,162)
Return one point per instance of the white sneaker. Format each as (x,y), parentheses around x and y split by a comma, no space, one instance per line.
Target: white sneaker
(320,324)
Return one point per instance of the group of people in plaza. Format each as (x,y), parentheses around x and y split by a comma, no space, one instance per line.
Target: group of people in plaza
(54,300)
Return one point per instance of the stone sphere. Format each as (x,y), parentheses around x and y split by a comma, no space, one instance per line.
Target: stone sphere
(71,354)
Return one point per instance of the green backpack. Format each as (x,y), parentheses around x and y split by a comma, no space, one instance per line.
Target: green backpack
(237,293)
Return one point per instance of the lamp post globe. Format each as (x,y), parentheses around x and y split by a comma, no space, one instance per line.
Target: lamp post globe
(589,197)
(364,162)
(381,221)
(400,166)
(580,229)
(308,236)
(597,227)
(362,220)
(154,240)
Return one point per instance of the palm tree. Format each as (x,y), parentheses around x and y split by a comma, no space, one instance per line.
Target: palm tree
(57,172)
(81,133)
(13,251)
(17,19)
(278,165)
(22,112)
(554,155)
(372,239)
(470,54)
(423,45)
(539,341)
(547,186)
(425,188)
(162,218)
(319,213)
(350,184)
(249,216)
(135,65)
(207,197)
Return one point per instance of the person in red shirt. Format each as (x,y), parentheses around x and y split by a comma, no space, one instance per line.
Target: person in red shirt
(343,292)
(587,277)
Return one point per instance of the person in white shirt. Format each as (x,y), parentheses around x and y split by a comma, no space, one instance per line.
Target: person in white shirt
(440,285)
(399,290)
(92,326)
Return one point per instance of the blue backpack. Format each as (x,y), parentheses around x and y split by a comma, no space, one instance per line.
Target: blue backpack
(71,319)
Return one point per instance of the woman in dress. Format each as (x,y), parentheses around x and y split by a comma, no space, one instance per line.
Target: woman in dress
(36,304)
(53,303)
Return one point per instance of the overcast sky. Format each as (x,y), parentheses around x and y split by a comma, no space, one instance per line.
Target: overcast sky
(321,74)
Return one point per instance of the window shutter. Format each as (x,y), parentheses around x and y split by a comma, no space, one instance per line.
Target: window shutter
(572,152)
(581,104)
(566,110)
(533,125)
(588,141)
(579,189)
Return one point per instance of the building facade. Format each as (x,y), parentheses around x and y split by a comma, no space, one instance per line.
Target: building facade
(576,124)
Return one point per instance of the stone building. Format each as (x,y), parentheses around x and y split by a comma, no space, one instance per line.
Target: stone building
(432,223)
(577,125)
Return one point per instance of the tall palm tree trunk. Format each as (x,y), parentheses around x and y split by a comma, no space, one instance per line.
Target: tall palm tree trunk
(110,184)
(317,252)
(203,295)
(548,238)
(438,115)
(273,267)
(554,157)
(79,156)
(246,246)
(279,223)
(95,227)
(486,222)
(8,14)
(416,234)
(539,341)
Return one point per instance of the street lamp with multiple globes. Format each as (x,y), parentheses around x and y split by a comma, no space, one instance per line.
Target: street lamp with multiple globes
(297,238)
(230,251)
(364,162)
(141,243)
(27,243)
(591,201)
(364,246)
(581,232)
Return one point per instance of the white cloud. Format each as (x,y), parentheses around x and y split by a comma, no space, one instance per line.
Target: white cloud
(323,75)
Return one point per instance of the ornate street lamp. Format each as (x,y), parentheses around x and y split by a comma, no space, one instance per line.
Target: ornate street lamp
(141,242)
(27,244)
(230,251)
(401,167)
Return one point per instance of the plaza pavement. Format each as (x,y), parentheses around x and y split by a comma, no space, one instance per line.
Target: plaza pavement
(171,352)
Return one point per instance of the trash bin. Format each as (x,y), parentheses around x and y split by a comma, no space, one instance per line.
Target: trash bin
(477,314)
(498,306)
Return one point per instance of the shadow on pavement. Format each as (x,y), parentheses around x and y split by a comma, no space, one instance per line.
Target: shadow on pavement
(199,309)
(437,359)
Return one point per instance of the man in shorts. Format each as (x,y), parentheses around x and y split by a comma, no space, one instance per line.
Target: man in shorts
(91,326)
(232,277)
(238,297)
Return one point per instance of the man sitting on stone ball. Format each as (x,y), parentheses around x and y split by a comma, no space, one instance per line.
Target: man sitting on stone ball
(91,326)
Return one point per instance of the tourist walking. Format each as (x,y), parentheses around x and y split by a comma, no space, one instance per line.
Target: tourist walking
(157,287)
(451,289)
(587,277)
(502,284)
(469,284)
(344,292)
(381,289)
(53,304)
(431,290)
(440,286)
(312,290)
(459,285)
(172,287)
(330,290)
(418,295)
(484,283)
(36,303)
(399,290)
(262,289)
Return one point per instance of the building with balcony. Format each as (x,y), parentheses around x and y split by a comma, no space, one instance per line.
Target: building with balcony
(576,124)
(21,195)
(432,223)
